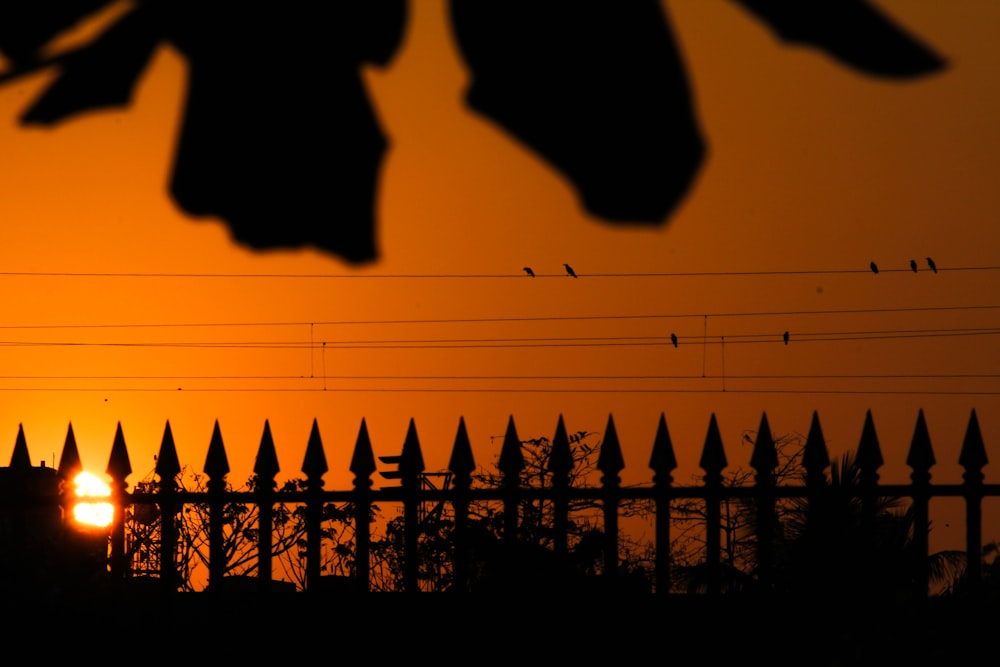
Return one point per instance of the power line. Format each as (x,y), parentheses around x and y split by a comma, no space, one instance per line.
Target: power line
(524,342)
(498,390)
(688,376)
(519,342)
(643,341)
(519,274)
(492,320)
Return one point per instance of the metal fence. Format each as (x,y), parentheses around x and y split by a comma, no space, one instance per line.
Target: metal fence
(25,489)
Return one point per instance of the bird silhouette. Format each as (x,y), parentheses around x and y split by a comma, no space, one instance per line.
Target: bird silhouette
(569,270)
(930,263)
(786,338)
(673,339)
(874,267)
(528,270)
(913,265)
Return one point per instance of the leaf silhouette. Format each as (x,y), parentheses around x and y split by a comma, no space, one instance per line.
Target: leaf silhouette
(103,74)
(279,139)
(596,88)
(599,90)
(851,31)
(26,25)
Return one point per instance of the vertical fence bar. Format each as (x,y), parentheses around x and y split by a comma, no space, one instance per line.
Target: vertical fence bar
(362,465)
(167,496)
(973,459)
(713,462)
(764,460)
(119,468)
(816,460)
(265,468)
(663,462)
(216,467)
(560,464)
(511,463)
(921,460)
(461,464)
(411,466)
(265,503)
(69,467)
(869,460)
(611,462)
(168,467)
(314,466)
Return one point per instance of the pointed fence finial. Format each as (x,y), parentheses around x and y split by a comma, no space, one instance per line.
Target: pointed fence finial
(511,461)
(363,458)
(561,458)
(610,461)
(973,454)
(663,461)
(461,462)
(20,457)
(921,455)
(815,457)
(765,455)
(314,464)
(266,463)
(713,455)
(216,461)
(869,456)
(168,466)
(411,461)
(69,461)
(119,466)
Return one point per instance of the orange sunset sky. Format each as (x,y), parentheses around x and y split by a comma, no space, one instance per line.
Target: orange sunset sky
(119,308)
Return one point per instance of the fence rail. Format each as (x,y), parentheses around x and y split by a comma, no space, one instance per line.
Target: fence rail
(24,488)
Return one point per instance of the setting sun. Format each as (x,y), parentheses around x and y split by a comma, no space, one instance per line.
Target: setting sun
(92,513)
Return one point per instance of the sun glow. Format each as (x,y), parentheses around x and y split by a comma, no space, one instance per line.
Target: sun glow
(92,512)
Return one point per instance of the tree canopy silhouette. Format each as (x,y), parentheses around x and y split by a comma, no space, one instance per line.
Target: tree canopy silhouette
(280,141)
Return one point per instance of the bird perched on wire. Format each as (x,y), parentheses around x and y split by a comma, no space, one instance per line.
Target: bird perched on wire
(528,270)
(913,265)
(874,267)
(673,339)
(786,338)
(930,263)
(569,270)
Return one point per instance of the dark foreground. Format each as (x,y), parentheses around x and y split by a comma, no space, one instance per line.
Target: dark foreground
(499,629)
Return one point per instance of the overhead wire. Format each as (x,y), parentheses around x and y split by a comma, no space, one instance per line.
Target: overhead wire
(519,342)
(663,339)
(512,390)
(519,274)
(490,320)
(769,376)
